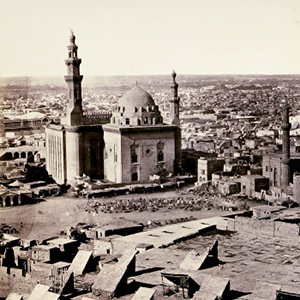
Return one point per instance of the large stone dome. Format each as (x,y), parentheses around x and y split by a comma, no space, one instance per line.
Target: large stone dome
(136,98)
(136,107)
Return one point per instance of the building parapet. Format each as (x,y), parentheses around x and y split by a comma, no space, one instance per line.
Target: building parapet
(99,117)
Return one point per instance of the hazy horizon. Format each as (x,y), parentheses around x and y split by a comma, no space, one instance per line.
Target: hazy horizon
(141,37)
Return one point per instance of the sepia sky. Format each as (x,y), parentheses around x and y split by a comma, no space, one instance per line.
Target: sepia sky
(151,36)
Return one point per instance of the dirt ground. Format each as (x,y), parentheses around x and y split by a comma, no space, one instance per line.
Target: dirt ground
(245,259)
(55,214)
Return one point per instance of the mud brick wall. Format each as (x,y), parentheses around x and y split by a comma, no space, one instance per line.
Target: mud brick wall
(40,273)
(283,229)
(251,225)
(103,247)
(264,227)
(12,280)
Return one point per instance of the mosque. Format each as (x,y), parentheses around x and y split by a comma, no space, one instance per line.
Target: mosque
(282,169)
(129,145)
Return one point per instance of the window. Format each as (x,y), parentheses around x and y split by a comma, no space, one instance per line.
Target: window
(134,176)
(145,120)
(127,121)
(160,156)
(133,153)
(275,177)
(134,157)
(267,169)
(160,151)
(203,172)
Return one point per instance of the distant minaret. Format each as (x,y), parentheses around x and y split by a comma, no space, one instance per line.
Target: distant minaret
(174,103)
(286,126)
(73,79)
(174,119)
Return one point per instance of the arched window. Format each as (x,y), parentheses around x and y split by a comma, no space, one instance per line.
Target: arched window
(145,120)
(134,157)
(134,153)
(160,151)
(275,177)
(7,201)
(160,155)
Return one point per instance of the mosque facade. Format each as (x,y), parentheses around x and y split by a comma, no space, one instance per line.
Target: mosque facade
(282,169)
(129,145)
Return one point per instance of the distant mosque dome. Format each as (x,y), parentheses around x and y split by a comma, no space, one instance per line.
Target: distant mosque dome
(135,98)
(137,107)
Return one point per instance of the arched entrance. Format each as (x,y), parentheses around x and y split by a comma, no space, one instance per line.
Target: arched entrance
(7,201)
(15,201)
(16,155)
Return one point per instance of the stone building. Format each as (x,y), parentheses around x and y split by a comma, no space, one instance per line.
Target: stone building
(76,146)
(280,168)
(207,166)
(251,185)
(136,142)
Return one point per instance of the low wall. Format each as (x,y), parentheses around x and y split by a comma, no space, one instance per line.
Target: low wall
(264,227)
(12,280)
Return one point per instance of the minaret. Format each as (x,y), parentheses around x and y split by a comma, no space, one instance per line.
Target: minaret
(174,103)
(174,119)
(285,161)
(73,79)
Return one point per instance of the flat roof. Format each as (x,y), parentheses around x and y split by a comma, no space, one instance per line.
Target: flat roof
(167,235)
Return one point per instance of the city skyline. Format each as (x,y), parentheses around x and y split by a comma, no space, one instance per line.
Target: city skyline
(151,37)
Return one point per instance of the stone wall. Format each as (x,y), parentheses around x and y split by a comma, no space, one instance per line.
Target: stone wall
(12,280)
(264,227)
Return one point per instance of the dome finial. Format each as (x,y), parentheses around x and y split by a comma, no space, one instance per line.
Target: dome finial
(72,36)
(174,75)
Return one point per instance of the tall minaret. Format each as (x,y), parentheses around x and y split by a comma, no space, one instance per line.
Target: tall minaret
(175,120)
(174,103)
(285,161)
(73,79)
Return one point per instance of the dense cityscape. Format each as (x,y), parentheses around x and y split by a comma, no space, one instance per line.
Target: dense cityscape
(150,150)
(228,125)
